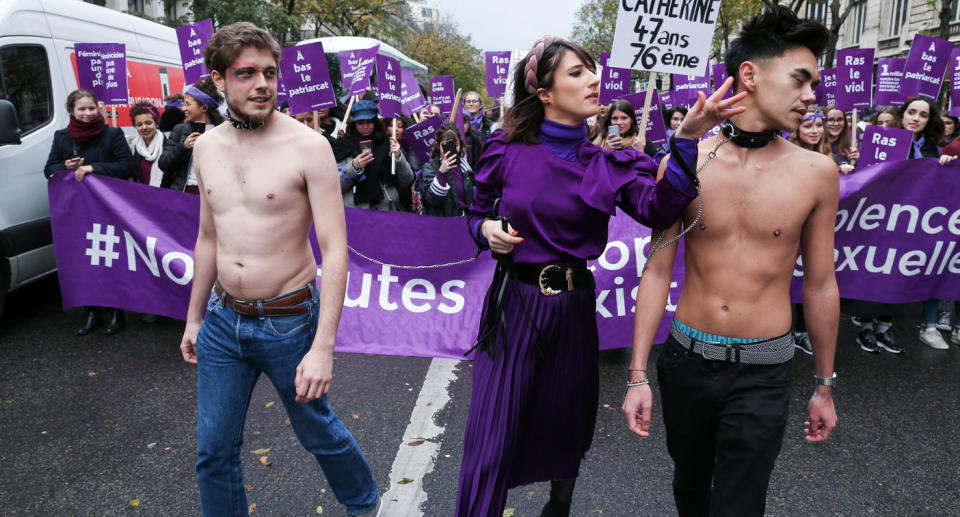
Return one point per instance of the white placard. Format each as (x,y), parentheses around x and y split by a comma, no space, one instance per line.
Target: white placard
(670,36)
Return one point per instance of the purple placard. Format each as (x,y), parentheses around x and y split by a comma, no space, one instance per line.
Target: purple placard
(926,64)
(889,75)
(685,87)
(655,131)
(388,86)
(422,136)
(355,68)
(614,82)
(102,69)
(955,83)
(666,98)
(719,76)
(410,95)
(854,78)
(828,84)
(442,93)
(306,78)
(281,93)
(193,38)
(884,144)
(498,67)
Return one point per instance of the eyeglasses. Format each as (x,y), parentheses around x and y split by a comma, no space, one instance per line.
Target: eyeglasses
(836,120)
(471,101)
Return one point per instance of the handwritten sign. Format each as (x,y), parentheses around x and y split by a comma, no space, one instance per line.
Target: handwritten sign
(671,36)
(307,78)
(193,38)
(854,78)
(388,84)
(422,136)
(410,95)
(884,144)
(498,67)
(926,64)
(102,69)
(889,74)
(442,93)
(355,68)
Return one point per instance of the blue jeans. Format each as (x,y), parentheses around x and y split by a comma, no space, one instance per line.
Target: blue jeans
(232,351)
(930,308)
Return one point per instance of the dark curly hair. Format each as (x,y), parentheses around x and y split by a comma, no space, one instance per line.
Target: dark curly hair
(144,108)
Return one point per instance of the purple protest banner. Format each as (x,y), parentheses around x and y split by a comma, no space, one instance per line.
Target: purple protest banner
(388,84)
(614,82)
(442,93)
(883,144)
(854,78)
(889,75)
(926,64)
(828,83)
(422,136)
(306,78)
(355,68)
(193,38)
(655,131)
(897,234)
(410,95)
(498,67)
(955,83)
(281,93)
(458,115)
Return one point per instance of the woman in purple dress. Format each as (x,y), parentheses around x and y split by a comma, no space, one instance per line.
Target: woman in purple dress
(543,200)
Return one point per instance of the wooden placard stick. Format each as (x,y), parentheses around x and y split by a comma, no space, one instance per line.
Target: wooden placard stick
(647,99)
(346,118)
(316,121)
(456,104)
(393,159)
(853,129)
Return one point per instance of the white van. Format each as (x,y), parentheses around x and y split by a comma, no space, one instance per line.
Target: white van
(37,72)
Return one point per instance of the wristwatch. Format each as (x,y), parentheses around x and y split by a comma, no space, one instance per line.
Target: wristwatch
(827,381)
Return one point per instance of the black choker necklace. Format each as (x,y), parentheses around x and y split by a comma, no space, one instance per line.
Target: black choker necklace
(748,139)
(243,125)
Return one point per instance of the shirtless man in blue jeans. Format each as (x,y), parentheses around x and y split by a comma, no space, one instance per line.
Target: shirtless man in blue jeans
(263,180)
(725,372)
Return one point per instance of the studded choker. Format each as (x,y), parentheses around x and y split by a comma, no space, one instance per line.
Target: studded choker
(748,139)
(243,125)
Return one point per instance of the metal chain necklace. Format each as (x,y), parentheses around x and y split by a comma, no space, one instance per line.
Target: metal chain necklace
(656,245)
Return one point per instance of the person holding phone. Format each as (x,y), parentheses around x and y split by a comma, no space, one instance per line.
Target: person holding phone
(200,104)
(621,128)
(364,155)
(446,181)
(89,146)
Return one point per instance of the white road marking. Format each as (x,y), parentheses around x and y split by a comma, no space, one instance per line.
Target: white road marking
(414,462)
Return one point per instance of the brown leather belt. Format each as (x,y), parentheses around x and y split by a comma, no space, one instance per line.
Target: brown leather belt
(283,305)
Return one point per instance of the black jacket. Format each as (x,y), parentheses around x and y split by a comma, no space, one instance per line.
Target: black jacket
(174,161)
(445,204)
(108,153)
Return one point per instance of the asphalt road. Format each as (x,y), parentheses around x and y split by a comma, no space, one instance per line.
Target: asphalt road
(94,425)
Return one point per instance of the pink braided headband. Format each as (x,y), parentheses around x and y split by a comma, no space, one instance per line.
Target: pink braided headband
(533,61)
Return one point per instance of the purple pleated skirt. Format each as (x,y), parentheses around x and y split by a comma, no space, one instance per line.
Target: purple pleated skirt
(534,403)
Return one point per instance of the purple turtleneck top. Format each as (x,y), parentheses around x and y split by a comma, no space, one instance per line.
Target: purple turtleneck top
(559,194)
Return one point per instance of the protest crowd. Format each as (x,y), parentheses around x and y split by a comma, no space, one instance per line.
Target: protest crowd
(442,154)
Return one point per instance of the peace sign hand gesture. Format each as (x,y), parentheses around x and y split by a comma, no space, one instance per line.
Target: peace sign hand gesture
(710,111)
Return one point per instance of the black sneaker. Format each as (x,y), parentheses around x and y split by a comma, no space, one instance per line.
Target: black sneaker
(857,321)
(885,341)
(867,341)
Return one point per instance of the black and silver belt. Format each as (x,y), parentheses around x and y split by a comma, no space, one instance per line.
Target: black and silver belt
(553,279)
(771,351)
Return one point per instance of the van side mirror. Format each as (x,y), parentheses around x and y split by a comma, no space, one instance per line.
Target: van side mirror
(9,127)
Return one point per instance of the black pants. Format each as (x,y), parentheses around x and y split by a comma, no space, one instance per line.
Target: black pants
(725,425)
